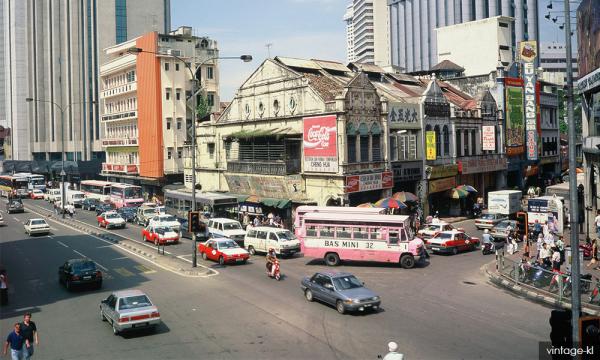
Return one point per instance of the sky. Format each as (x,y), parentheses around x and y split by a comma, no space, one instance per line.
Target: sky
(310,29)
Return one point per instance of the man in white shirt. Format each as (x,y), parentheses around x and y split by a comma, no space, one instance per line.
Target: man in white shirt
(393,354)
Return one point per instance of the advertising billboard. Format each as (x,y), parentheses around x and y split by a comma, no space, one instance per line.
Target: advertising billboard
(528,54)
(367,182)
(488,137)
(588,36)
(430,145)
(320,144)
(515,130)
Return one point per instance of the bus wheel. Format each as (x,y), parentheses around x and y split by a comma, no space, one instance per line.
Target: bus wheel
(332,259)
(407,261)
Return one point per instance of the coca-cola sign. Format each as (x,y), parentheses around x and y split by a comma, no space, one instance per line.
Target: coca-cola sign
(367,182)
(320,144)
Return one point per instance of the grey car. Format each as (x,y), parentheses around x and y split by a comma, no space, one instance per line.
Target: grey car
(129,310)
(340,289)
(14,205)
(500,231)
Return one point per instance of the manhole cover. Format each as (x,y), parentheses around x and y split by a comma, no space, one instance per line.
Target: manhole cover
(469,283)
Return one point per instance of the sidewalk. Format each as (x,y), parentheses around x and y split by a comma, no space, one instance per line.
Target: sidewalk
(451,220)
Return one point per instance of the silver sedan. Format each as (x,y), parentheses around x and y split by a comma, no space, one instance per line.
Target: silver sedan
(129,310)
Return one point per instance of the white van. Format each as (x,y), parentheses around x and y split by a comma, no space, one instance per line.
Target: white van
(227,228)
(262,238)
(75,197)
(52,195)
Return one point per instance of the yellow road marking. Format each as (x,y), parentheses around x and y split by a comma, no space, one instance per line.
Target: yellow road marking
(144,270)
(124,272)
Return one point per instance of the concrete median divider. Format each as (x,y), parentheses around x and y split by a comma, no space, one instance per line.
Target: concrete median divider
(167,261)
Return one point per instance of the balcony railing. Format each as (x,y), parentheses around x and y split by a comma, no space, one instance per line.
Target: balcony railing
(119,90)
(120,142)
(130,169)
(120,116)
(265,168)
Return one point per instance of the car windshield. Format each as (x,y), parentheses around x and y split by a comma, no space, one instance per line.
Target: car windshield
(134,302)
(346,283)
(16,202)
(503,224)
(488,216)
(433,227)
(149,211)
(84,266)
(133,193)
(167,218)
(38,222)
(78,196)
(161,230)
(232,226)
(444,236)
(286,235)
(229,244)
(112,216)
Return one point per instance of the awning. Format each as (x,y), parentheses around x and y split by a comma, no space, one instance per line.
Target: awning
(266,201)
(245,134)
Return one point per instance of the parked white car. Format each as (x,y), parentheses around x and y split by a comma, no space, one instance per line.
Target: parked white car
(167,220)
(1,219)
(227,228)
(263,238)
(36,226)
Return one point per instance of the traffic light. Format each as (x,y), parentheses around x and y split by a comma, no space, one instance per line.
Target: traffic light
(523,223)
(194,221)
(589,335)
(560,322)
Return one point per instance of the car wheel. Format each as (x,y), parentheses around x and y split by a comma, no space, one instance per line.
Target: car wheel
(203,256)
(407,261)
(339,305)
(102,317)
(115,330)
(454,251)
(221,260)
(251,250)
(332,259)
(308,295)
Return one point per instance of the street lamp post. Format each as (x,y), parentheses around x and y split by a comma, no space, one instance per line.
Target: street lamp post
(195,88)
(62,109)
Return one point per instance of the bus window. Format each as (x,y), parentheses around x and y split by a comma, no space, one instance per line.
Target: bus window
(376,234)
(403,236)
(394,237)
(327,231)
(361,233)
(311,230)
(187,206)
(344,233)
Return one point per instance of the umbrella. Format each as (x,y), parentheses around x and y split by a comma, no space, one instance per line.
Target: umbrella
(467,188)
(390,203)
(366,205)
(457,193)
(405,196)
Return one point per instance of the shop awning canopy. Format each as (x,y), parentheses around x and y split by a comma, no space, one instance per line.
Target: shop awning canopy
(246,134)
(266,201)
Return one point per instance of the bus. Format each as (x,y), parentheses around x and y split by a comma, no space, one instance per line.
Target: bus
(178,202)
(125,195)
(304,209)
(335,237)
(16,185)
(34,181)
(96,189)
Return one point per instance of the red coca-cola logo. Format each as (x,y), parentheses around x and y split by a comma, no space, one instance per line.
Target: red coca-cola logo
(352,182)
(319,136)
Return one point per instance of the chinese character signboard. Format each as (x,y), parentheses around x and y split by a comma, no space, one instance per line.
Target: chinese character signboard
(514,117)
(430,145)
(403,115)
(528,52)
(366,182)
(489,137)
(320,144)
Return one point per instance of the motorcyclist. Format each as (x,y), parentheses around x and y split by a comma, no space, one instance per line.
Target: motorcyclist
(271,259)
(487,238)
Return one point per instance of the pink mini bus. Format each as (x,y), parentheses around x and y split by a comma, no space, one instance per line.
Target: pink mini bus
(125,195)
(351,211)
(365,237)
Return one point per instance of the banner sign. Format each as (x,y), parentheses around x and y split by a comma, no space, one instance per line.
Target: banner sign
(488,137)
(430,144)
(404,115)
(441,184)
(514,120)
(366,182)
(320,144)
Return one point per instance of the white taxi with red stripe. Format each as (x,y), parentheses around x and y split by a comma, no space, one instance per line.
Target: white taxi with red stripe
(431,229)
(452,242)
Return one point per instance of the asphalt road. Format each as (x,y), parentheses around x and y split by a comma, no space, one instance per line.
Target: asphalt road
(445,310)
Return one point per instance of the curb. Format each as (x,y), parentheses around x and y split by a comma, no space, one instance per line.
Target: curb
(88,229)
(529,293)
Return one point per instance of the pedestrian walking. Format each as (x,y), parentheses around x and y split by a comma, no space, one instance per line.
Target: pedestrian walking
(555,259)
(3,288)
(546,255)
(16,341)
(245,219)
(71,210)
(393,353)
(30,333)
(594,260)
(539,244)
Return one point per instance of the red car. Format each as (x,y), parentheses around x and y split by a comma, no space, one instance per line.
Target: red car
(111,219)
(160,234)
(36,194)
(223,250)
(452,242)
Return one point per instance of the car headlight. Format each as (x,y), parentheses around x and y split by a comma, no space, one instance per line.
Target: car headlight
(375,298)
(351,301)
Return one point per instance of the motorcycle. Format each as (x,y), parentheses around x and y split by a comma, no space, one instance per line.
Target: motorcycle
(587,250)
(558,280)
(540,276)
(488,248)
(595,295)
(274,273)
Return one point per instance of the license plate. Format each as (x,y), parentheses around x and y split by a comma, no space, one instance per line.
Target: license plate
(239,260)
(140,325)
(435,248)
(87,277)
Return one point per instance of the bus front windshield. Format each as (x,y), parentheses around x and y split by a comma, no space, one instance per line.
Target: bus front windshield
(133,193)
(37,181)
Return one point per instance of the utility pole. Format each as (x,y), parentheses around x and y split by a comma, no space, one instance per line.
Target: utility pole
(574,206)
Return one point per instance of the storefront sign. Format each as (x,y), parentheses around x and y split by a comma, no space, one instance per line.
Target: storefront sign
(407,171)
(403,115)
(531,170)
(436,172)
(589,82)
(514,118)
(430,145)
(530,110)
(437,109)
(475,165)
(489,137)
(320,144)
(441,184)
(289,187)
(366,182)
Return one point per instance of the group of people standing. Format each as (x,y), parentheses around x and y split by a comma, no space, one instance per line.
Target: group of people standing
(260,220)
(22,339)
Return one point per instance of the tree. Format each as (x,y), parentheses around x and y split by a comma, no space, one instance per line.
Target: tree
(202,108)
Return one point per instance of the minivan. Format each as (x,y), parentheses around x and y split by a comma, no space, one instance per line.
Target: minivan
(262,238)
(227,228)
(75,197)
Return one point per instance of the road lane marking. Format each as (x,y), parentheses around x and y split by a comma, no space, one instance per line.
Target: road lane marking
(63,244)
(97,263)
(144,270)
(124,272)
(104,246)
(17,220)
(77,252)
(121,258)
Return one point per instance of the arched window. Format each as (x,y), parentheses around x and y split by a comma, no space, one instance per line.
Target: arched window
(438,141)
(446,135)
(351,142)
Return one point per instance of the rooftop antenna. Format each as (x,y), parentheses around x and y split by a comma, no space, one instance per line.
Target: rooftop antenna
(268,46)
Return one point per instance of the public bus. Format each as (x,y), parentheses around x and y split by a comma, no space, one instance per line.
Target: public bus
(304,209)
(10,184)
(96,189)
(125,195)
(178,202)
(335,237)
(34,181)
